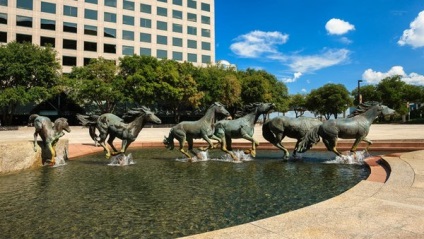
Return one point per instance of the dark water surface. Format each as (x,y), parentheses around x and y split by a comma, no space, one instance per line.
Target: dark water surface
(161,197)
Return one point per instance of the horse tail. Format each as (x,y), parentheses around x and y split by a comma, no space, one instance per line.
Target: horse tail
(267,133)
(32,118)
(311,138)
(87,120)
(169,141)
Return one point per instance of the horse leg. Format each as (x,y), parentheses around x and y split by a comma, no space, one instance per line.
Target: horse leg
(92,132)
(182,142)
(110,142)
(333,147)
(369,143)
(278,139)
(214,137)
(35,141)
(255,143)
(102,139)
(53,153)
(224,148)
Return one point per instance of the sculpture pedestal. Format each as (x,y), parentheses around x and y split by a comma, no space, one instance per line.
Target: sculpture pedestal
(19,155)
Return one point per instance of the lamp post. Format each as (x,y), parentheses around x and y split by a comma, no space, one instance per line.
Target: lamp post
(359,92)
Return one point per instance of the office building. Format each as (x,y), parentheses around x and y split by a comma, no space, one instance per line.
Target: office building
(81,30)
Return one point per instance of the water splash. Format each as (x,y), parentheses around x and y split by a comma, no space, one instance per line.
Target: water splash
(59,161)
(352,158)
(121,160)
(203,156)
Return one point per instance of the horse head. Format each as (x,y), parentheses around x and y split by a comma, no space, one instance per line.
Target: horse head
(149,116)
(220,109)
(385,110)
(265,108)
(61,124)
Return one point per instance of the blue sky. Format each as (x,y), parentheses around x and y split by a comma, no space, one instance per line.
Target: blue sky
(309,43)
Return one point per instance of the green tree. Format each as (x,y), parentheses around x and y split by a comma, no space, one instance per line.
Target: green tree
(297,103)
(96,83)
(28,73)
(330,99)
(368,92)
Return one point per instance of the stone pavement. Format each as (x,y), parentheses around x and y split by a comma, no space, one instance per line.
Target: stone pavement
(374,208)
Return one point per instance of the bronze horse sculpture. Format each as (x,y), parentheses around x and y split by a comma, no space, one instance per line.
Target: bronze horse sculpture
(189,130)
(91,128)
(277,128)
(113,126)
(355,126)
(49,133)
(242,127)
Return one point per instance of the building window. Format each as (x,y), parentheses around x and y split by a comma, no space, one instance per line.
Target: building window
(206,46)
(128,5)
(147,23)
(69,44)
(24,4)
(145,51)
(70,11)
(192,44)
(191,30)
(206,59)
(128,50)
(206,20)
(145,37)
(206,7)
(128,35)
(161,11)
(177,41)
(177,28)
(177,2)
(109,48)
(69,61)
(191,17)
(109,32)
(90,30)
(21,38)
(3,36)
(70,27)
(128,20)
(162,40)
(48,7)
(162,0)
(3,2)
(48,24)
(87,61)
(91,1)
(206,33)
(110,17)
(192,57)
(3,18)
(23,21)
(110,3)
(90,46)
(161,54)
(177,14)
(145,8)
(191,4)
(90,14)
(44,41)
(178,56)
(162,25)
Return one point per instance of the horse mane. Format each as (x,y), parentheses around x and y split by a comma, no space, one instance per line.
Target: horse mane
(247,109)
(32,118)
(363,107)
(133,113)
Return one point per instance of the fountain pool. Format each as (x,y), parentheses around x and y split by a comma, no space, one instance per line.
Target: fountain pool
(162,197)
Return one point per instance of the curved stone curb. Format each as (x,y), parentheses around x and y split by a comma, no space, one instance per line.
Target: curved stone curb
(394,209)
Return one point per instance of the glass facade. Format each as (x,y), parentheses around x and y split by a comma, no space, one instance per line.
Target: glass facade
(177,29)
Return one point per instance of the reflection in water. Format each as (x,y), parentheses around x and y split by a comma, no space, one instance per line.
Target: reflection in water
(161,197)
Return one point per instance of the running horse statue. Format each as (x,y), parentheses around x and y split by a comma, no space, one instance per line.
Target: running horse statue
(355,126)
(49,133)
(113,126)
(189,130)
(242,127)
(277,128)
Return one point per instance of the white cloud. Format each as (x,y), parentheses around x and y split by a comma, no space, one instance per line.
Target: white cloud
(374,77)
(292,79)
(256,43)
(303,90)
(338,27)
(414,36)
(315,62)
